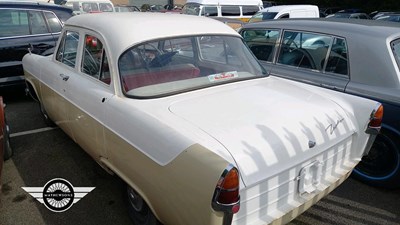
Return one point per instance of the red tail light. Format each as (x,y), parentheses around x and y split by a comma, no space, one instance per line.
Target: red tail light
(375,122)
(226,195)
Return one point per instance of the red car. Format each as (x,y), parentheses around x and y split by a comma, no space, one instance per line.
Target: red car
(5,148)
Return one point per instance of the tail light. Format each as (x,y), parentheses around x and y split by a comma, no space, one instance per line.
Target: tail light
(226,195)
(375,123)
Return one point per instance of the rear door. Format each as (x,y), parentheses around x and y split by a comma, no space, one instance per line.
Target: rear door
(312,58)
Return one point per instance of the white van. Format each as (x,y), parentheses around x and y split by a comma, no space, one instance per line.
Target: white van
(90,6)
(286,11)
(237,9)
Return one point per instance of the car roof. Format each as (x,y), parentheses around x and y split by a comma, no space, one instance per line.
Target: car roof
(338,26)
(123,30)
(32,5)
(279,8)
(226,2)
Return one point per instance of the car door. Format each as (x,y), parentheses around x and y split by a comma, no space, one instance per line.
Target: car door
(21,29)
(87,93)
(55,77)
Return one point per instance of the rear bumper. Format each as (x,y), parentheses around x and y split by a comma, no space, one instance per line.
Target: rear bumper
(289,216)
(283,197)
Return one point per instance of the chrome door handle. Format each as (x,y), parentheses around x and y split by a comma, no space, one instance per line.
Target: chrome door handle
(64,77)
(329,86)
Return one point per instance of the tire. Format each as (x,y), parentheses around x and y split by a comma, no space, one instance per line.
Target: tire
(8,152)
(381,167)
(138,210)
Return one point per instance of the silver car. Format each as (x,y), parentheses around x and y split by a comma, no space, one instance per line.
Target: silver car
(359,57)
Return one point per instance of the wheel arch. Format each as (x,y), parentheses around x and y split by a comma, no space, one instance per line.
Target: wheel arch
(195,169)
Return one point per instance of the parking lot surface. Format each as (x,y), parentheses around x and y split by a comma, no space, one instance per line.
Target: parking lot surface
(42,153)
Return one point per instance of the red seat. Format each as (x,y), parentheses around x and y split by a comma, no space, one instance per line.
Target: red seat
(160,75)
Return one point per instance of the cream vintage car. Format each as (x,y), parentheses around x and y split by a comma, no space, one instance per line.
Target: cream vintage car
(179,108)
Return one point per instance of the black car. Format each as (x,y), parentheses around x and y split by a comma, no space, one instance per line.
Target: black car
(26,25)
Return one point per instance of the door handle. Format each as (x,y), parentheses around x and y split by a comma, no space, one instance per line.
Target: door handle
(64,77)
(329,86)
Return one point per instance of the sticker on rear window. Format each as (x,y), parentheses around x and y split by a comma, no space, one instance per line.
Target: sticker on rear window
(223,76)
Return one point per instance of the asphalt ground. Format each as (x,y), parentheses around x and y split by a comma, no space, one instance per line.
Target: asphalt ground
(42,154)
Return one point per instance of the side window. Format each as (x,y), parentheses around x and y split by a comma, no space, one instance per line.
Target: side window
(13,23)
(209,11)
(37,22)
(75,6)
(67,50)
(54,23)
(230,10)
(248,10)
(262,43)
(90,7)
(215,49)
(95,60)
(304,50)
(180,47)
(337,61)
(284,16)
(105,7)
(92,55)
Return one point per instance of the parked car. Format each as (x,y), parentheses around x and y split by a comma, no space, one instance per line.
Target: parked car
(234,23)
(374,15)
(5,147)
(356,57)
(349,15)
(90,6)
(126,8)
(26,25)
(394,17)
(194,125)
(237,9)
(285,12)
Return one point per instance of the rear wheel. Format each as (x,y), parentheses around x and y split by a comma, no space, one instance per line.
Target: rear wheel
(139,211)
(381,167)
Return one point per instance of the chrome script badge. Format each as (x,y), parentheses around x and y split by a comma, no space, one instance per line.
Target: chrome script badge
(58,195)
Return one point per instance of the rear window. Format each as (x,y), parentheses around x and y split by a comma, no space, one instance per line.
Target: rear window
(175,65)
(396,51)
(262,43)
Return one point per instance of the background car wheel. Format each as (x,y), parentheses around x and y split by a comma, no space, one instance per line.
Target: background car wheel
(139,211)
(381,167)
(7,146)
